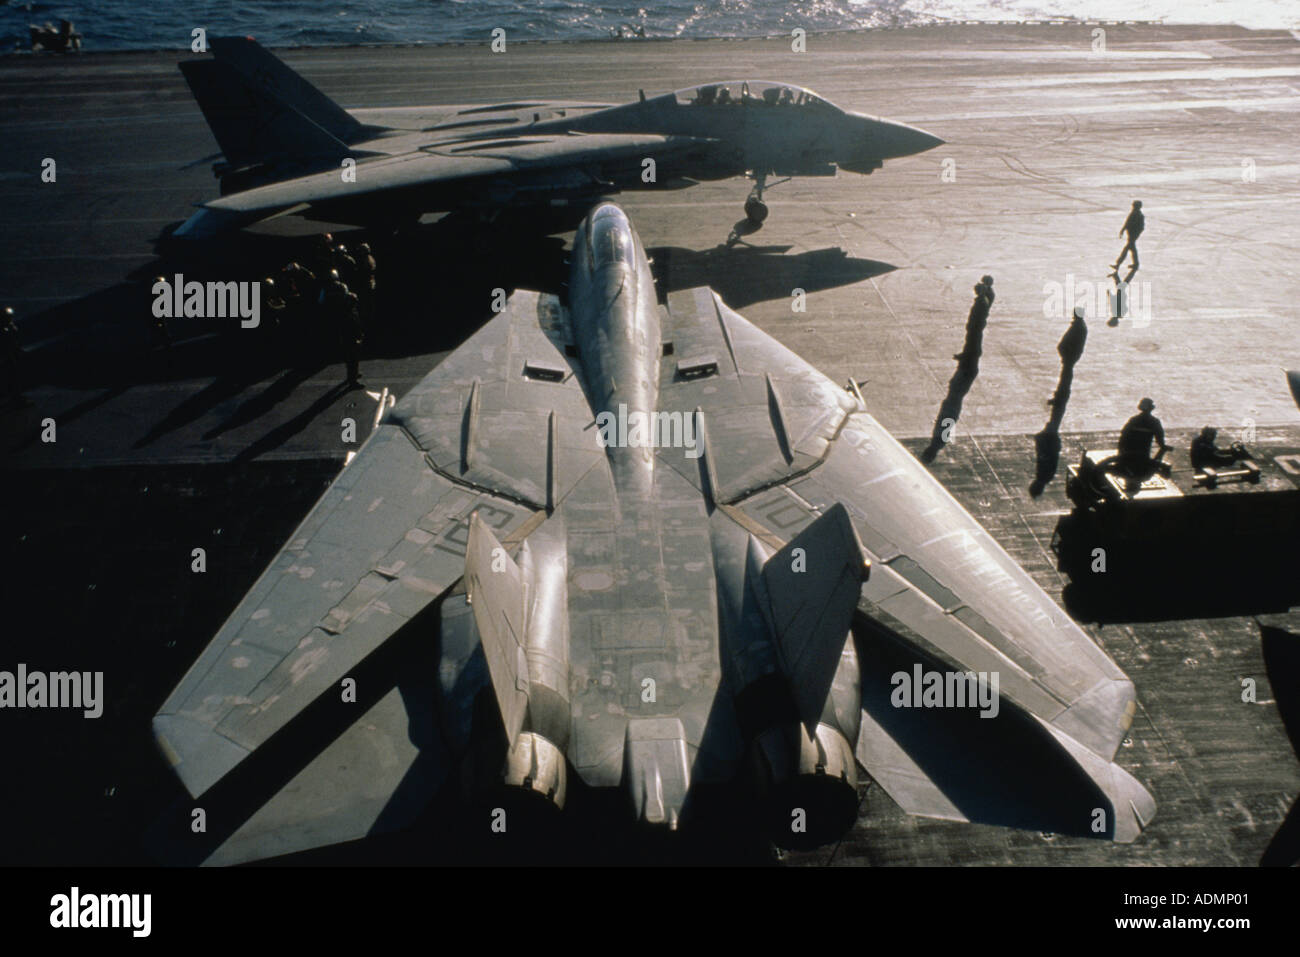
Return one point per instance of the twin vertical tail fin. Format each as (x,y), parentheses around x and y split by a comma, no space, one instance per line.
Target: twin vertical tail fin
(811,591)
(520,616)
(497,592)
(802,727)
(262,112)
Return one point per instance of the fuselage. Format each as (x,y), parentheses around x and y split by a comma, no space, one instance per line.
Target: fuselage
(615,317)
(642,628)
(569,154)
(645,649)
(761,127)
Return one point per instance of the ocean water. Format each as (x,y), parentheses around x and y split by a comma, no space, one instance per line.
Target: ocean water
(140,24)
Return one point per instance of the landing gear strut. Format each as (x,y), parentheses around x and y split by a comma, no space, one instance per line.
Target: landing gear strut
(755,208)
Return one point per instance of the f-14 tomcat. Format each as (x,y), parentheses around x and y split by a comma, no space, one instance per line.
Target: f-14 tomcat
(641,535)
(287,146)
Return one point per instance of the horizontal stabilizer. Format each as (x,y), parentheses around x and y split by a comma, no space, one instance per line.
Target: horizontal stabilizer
(812,587)
(495,587)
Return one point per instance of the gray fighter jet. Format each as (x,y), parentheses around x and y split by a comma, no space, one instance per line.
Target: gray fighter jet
(290,149)
(640,535)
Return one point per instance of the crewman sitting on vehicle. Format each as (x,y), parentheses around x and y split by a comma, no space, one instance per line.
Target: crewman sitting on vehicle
(1135,441)
(1205,454)
(1133,459)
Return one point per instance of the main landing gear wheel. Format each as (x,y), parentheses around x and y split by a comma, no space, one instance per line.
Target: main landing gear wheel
(755,210)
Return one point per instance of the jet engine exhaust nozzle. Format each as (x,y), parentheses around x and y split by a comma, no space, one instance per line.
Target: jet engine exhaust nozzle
(527,793)
(535,765)
(809,791)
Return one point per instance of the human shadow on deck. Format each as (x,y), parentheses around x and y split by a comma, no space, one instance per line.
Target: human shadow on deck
(968,367)
(1047,442)
(743,275)
(945,423)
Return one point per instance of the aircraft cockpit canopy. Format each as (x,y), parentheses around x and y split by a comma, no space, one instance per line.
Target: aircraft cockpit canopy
(751,92)
(610,238)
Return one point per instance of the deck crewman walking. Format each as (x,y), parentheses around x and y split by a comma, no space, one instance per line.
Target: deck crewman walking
(1133,227)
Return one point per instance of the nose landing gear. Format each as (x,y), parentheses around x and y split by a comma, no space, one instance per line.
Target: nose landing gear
(755,208)
(755,212)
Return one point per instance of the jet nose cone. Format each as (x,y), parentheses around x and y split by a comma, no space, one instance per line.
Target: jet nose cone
(899,139)
(885,139)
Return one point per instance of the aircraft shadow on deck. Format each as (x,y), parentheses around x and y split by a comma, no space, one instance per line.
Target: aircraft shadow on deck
(1004,769)
(1281,650)
(436,284)
(435,288)
(744,274)
(1164,579)
(595,829)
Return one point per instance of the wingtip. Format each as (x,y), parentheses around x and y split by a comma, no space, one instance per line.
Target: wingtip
(197,754)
